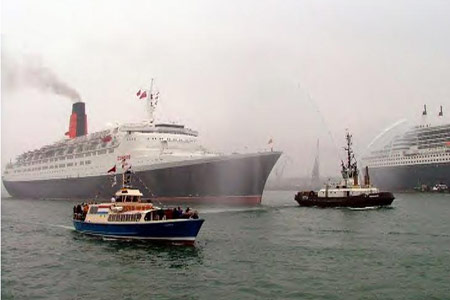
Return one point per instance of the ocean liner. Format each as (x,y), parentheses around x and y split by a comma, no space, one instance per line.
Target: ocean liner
(168,162)
(418,157)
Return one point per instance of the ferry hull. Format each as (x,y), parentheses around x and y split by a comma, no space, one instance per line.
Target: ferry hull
(371,200)
(182,231)
(405,178)
(234,179)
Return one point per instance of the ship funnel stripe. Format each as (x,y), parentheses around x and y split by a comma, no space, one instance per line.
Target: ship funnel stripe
(78,120)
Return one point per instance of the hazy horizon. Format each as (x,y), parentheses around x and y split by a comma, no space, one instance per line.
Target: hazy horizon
(238,72)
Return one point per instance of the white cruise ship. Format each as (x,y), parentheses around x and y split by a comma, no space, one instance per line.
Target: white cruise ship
(169,163)
(419,156)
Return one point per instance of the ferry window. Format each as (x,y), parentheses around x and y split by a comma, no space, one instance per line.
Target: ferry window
(93,210)
(69,157)
(70,164)
(110,150)
(138,217)
(88,162)
(81,163)
(110,217)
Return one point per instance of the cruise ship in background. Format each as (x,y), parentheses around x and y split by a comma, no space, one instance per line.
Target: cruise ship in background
(169,164)
(418,157)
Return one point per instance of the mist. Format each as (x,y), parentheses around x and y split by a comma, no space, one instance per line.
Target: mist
(241,73)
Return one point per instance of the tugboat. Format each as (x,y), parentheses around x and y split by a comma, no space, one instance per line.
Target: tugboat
(129,216)
(349,193)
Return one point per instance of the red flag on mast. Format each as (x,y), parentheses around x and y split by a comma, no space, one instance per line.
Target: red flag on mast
(113,169)
(143,95)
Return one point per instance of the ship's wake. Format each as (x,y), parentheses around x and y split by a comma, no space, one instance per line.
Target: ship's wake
(219,210)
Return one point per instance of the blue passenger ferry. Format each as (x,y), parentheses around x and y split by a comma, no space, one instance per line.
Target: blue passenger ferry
(128,216)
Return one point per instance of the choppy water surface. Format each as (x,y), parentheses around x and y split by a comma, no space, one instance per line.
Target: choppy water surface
(276,250)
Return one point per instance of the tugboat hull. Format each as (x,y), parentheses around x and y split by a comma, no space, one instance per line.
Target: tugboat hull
(360,201)
(178,231)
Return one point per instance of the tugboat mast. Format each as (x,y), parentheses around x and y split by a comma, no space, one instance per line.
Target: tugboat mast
(350,171)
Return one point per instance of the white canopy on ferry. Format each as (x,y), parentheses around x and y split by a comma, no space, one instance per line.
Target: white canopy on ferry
(129,192)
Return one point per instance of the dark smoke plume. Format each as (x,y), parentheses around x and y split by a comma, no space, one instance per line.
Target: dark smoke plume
(32,73)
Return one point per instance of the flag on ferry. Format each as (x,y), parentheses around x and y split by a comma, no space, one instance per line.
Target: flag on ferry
(112,170)
(103,209)
(124,163)
(138,93)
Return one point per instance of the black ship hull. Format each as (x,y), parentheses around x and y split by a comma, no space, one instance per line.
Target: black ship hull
(360,201)
(233,179)
(406,178)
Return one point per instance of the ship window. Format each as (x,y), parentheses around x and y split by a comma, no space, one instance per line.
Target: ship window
(81,163)
(69,157)
(110,150)
(93,210)
(88,162)
(70,164)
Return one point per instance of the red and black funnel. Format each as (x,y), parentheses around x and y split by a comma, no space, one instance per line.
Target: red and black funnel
(78,121)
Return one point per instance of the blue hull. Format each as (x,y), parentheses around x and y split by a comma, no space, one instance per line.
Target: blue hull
(174,231)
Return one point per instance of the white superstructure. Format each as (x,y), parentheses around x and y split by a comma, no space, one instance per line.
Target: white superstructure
(421,145)
(139,145)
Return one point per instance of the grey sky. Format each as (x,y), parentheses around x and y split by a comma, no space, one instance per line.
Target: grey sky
(238,72)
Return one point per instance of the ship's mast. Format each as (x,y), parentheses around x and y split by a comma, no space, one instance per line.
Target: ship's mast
(350,170)
(152,101)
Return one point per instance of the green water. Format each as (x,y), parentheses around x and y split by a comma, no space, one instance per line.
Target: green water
(274,251)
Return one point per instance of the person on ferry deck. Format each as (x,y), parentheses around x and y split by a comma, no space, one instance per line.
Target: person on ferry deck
(175,213)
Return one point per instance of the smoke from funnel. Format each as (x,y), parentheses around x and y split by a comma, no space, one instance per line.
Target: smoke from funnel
(32,73)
